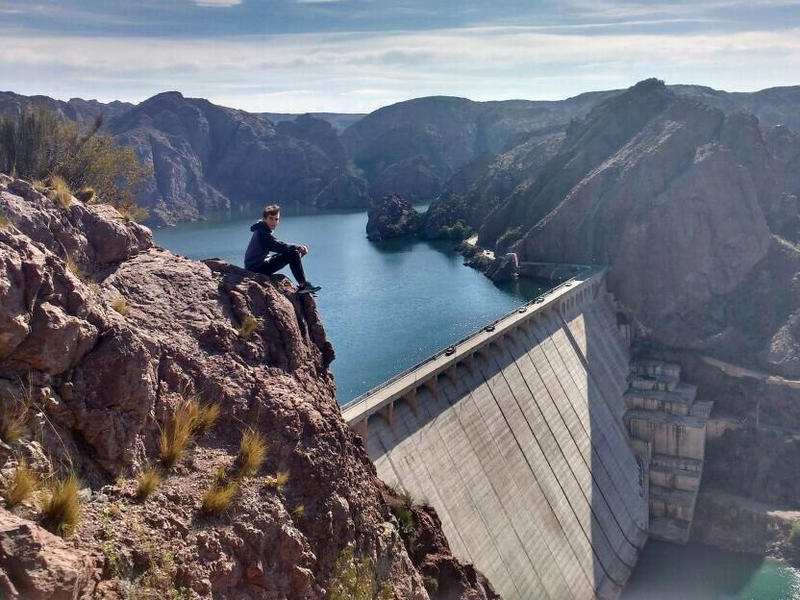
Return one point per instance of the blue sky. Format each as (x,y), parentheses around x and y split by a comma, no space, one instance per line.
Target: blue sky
(358,55)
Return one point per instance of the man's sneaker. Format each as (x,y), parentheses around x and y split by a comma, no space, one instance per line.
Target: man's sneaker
(308,288)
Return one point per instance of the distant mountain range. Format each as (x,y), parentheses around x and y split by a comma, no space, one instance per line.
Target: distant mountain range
(206,157)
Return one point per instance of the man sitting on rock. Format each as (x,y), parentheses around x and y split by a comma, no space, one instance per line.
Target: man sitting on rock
(257,257)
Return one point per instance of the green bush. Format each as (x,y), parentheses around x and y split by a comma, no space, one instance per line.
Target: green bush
(36,146)
(794,536)
(459,231)
(355,579)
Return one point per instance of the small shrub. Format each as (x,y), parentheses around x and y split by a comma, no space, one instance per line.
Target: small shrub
(401,503)
(178,433)
(62,195)
(147,483)
(431,584)
(247,327)
(218,497)
(299,511)
(207,415)
(62,509)
(355,579)
(22,485)
(85,195)
(121,305)
(252,452)
(794,535)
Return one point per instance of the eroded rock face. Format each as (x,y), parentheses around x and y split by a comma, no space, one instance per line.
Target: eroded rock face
(392,217)
(103,347)
(204,157)
(682,200)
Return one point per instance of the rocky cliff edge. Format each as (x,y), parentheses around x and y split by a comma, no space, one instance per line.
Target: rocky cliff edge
(102,336)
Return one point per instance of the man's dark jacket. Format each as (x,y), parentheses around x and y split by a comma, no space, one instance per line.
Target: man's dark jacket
(261,244)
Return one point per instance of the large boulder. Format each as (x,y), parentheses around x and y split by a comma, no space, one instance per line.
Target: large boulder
(37,565)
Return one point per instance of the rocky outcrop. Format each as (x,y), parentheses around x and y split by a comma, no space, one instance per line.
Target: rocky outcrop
(772,106)
(75,109)
(102,336)
(412,148)
(682,200)
(206,157)
(392,217)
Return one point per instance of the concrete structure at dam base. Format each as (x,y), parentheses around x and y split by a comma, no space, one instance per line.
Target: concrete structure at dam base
(549,456)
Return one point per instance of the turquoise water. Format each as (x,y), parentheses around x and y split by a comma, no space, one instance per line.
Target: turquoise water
(695,572)
(385,306)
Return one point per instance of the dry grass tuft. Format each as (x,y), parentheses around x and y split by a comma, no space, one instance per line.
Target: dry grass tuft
(14,424)
(121,305)
(207,415)
(147,482)
(24,483)
(62,509)
(5,222)
(279,481)
(178,432)
(247,327)
(62,195)
(75,269)
(252,452)
(299,511)
(218,497)
(132,213)
(39,185)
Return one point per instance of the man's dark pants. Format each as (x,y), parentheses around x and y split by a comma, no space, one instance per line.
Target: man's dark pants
(276,262)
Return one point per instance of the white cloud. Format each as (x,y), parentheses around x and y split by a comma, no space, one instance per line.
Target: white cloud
(356,72)
(217,3)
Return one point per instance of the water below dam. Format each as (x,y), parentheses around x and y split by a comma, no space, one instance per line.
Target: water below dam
(695,572)
(387,306)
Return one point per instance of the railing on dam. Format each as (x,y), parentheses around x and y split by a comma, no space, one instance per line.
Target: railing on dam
(565,298)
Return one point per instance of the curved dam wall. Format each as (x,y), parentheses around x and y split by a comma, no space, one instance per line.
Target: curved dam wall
(517,439)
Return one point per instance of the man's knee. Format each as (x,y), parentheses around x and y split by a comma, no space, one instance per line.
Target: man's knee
(294,253)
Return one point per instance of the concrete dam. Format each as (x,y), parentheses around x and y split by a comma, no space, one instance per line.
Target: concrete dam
(549,458)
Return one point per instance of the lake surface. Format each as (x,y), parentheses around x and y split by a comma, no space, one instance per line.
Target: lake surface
(387,306)
(384,306)
(695,572)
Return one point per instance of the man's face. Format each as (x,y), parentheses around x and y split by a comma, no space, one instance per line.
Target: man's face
(273,220)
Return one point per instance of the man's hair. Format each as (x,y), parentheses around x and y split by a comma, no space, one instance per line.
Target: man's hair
(272,209)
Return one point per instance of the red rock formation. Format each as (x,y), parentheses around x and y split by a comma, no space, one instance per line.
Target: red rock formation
(99,382)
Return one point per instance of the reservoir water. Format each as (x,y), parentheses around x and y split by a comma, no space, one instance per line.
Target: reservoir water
(387,306)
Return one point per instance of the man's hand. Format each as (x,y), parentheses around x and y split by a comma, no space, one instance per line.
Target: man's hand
(303,250)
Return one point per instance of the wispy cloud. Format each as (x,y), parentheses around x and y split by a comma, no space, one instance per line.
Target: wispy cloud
(217,3)
(362,71)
